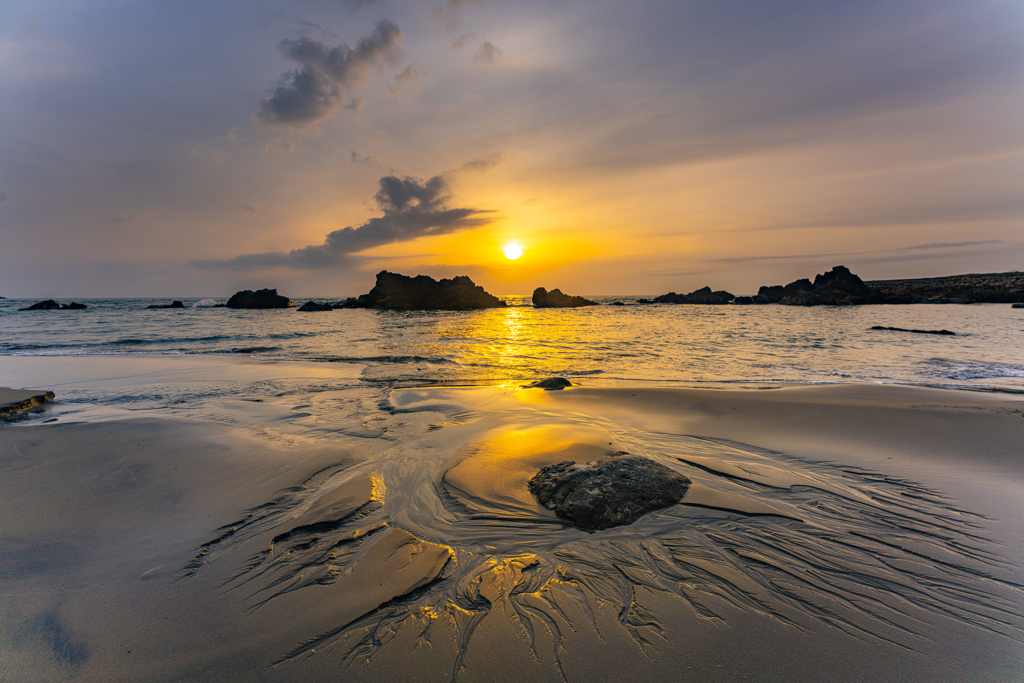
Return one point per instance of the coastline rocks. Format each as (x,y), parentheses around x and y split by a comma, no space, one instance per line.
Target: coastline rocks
(986,288)
(903,329)
(175,304)
(1018,305)
(51,305)
(837,287)
(704,295)
(551,383)
(262,298)
(542,298)
(615,492)
(403,293)
(310,306)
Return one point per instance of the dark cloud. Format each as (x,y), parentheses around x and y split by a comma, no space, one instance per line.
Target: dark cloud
(357,158)
(463,40)
(484,163)
(411,208)
(327,77)
(487,53)
(251,208)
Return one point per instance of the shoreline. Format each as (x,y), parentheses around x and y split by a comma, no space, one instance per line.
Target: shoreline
(254,543)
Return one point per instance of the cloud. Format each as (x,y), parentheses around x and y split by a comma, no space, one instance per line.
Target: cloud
(412,73)
(356,4)
(328,76)
(484,163)
(487,53)
(411,208)
(252,208)
(357,158)
(3,197)
(279,145)
(464,40)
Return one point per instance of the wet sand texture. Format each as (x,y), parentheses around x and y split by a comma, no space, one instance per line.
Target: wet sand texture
(828,533)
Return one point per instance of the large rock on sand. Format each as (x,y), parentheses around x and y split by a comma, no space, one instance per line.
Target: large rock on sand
(542,298)
(612,493)
(262,298)
(404,293)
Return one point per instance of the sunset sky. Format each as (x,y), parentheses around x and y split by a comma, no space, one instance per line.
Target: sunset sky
(195,148)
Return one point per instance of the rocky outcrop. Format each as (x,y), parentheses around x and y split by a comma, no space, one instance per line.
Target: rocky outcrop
(51,305)
(312,306)
(401,292)
(19,400)
(612,493)
(556,383)
(542,298)
(174,304)
(986,288)
(704,295)
(262,298)
(903,329)
(837,287)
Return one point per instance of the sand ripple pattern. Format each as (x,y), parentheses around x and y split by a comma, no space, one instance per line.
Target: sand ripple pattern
(803,544)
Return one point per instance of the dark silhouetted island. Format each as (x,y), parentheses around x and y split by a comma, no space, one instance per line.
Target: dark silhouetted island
(403,293)
(173,304)
(542,298)
(262,298)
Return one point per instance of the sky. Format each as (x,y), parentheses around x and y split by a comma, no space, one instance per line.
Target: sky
(195,148)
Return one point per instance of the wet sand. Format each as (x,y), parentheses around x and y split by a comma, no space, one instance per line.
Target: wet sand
(831,533)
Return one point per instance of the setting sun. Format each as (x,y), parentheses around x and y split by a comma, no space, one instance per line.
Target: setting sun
(512,251)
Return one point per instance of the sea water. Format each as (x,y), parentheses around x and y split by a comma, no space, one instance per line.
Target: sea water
(676,345)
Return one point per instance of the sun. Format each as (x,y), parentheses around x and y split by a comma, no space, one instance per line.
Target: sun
(512,251)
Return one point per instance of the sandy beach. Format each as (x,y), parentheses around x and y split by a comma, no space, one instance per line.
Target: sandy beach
(831,532)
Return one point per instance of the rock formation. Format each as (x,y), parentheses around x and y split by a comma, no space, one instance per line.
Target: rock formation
(903,329)
(837,287)
(704,295)
(542,298)
(263,298)
(401,292)
(311,306)
(987,288)
(556,383)
(51,305)
(174,304)
(614,492)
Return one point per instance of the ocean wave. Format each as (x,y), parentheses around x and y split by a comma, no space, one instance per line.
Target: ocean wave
(945,368)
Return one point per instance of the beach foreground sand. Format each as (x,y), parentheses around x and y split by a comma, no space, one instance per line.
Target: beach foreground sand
(831,533)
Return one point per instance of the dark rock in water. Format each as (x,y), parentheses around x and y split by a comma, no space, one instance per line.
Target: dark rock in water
(557,383)
(542,298)
(704,295)
(262,298)
(47,305)
(644,301)
(314,306)
(175,304)
(612,493)
(1017,305)
(51,305)
(837,287)
(404,293)
(743,300)
(616,303)
(903,329)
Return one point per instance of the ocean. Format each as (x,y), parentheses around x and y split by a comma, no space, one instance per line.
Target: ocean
(645,345)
